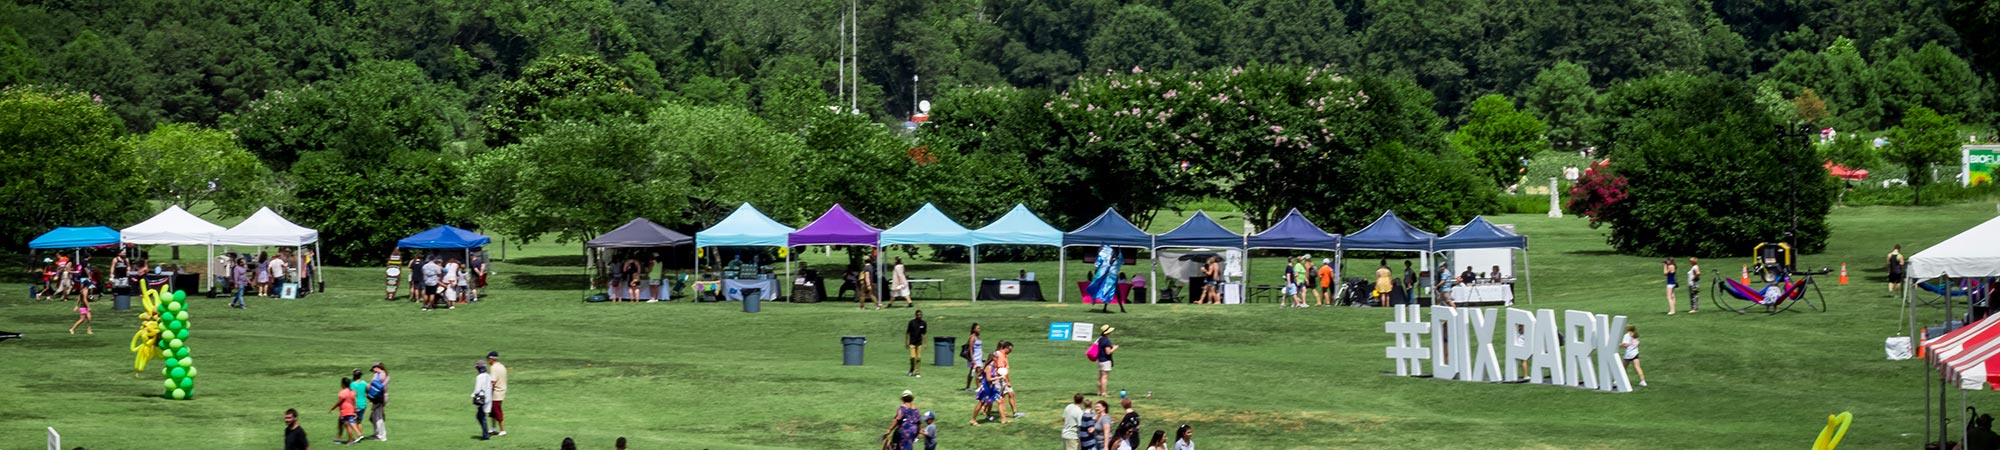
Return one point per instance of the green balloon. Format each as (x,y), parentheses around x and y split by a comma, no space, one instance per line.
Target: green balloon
(176,344)
(169,395)
(178,373)
(173,362)
(187,362)
(187,383)
(163,371)
(169,383)
(182,334)
(181,316)
(181,352)
(173,306)
(180,295)
(180,394)
(192,371)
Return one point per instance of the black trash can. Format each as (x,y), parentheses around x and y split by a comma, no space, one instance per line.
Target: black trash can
(753,300)
(947,350)
(851,348)
(121,302)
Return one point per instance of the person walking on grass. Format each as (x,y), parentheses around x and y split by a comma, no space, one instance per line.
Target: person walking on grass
(295,435)
(867,291)
(1671,285)
(1159,441)
(1087,430)
(1104,350)
(1694,285)
(929,433)
(1072,419)
(1002,363)
(1631,345)
(433,274)
(83,315)
(360,387)
(239,275)
(1291,289)
(378,395)
(899,284)
(975,350)
(916,330)
(1896,267)
(499,372)
(482,397)
(988,391)
(343,404)
(903,427)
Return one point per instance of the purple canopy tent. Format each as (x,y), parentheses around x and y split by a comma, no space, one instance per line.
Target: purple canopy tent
(837,227)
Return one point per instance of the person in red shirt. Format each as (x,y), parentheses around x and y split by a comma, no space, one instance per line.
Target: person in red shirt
(348,427)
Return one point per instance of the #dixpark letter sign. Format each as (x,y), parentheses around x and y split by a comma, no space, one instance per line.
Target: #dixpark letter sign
(1581,352)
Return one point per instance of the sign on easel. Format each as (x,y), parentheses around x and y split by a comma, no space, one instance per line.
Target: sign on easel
(395,272)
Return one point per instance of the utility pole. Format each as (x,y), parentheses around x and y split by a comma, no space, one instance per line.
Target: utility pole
(854,40)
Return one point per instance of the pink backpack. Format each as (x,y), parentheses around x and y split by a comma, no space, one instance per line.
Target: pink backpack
(1092,353)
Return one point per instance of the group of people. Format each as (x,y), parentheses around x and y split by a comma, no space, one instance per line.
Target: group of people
(242,272)
(358,393)
(1211,281)
(632,273)
(1088,426)
(1307,281)
(1673,284)
(442,282)
(865,283)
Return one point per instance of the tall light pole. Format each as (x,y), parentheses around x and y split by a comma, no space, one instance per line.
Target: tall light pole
(913,97)
(854,41)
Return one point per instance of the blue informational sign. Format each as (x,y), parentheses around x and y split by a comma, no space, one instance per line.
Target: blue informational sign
(1059,331)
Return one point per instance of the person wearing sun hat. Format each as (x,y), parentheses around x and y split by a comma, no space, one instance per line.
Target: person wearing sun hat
(902,434)
(1104,350)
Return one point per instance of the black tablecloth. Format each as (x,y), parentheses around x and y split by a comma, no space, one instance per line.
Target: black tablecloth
(990,290)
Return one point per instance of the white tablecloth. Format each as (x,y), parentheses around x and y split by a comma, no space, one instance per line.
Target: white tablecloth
(1484,293)
(733,289)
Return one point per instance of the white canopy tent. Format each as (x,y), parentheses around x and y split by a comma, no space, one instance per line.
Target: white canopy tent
(1974,253)
(175,226)
(267,228)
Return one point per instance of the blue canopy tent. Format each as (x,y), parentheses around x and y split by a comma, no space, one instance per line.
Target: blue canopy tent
(1018,227)
(1391,233)
(75,237)
(745,227)
(1482,234)
(1294,232)
(1108,228)
(1197,232)
(444,236)
(930,226)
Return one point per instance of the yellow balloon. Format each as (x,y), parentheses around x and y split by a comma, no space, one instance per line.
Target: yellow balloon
(1836,428)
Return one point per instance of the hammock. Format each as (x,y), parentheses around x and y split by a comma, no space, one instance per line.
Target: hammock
(1774,298)
(1940,290)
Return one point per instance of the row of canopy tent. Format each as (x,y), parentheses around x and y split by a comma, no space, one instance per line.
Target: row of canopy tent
(1966,355)
(746,226)
(176,226)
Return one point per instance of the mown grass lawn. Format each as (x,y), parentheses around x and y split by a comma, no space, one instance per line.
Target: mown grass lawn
(687,375)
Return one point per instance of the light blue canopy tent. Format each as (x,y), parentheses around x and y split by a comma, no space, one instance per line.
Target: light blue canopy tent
(930,226)
(1018,227)
(75,237)
(746,227)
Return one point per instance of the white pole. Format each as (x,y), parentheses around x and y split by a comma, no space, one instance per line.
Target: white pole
(1555,210)
(319,273)
(1527,272)
(840,83)
(975,272)
(788,272)
(1062,272)
(854,41)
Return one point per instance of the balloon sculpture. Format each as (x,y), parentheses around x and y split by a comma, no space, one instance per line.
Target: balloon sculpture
(1836,428)
(164,334)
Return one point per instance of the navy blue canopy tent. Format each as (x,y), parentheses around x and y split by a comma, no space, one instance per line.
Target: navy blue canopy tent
(1391,233)
(1482,234)
(1108,228)
(1294,232)
(1197,232)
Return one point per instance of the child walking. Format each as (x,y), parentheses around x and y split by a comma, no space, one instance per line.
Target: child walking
(83,313)
(1631,345)
(1694,285)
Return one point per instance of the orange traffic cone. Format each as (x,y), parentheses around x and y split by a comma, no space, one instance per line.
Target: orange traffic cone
(1746,274)
(1921,336)
(1843,273)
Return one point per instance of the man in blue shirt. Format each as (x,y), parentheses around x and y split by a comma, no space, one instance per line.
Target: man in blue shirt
(1104,350)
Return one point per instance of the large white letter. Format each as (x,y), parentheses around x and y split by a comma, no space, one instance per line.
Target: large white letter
(1548,350)
(1520,328)
(1408,330)
(1582,342)
(1610,370)
(1485,366)
(1444,339)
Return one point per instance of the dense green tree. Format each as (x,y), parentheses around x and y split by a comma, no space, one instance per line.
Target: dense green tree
(1561,97)
(1497,139)
(1930,77)
(1852,151)
(1139,36)
(1925,140)
(107,69)
(1298,32)
(522,102)
(66,161)
(576,180)
(18,64)
(728,157)
(1695,130)
(190,166)
(369,111)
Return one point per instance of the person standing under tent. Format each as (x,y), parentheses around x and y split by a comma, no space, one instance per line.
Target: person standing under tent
(1896,268)
(1410,282)
(449,285)
(482,395)
(1325,291)
(278,272)
(639,283)
(916,330)
(263,274)
(900,284)
(1291,289)
(1384,285)
(306,263)
(628,273)
(1211,291)
(432,275)
(499,372)
(1304,269)
(1672,285)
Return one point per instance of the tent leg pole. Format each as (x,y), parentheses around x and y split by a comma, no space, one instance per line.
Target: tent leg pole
(1527,274)
(788,269)
(973,286)
(1062,274)
(1152,272)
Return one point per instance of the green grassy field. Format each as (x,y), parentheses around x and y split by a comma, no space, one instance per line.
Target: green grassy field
(685,375)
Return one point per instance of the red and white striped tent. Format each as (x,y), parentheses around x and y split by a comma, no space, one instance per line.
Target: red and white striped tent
(1967,354)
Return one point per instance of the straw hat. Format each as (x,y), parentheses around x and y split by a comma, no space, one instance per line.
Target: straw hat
(1106,329)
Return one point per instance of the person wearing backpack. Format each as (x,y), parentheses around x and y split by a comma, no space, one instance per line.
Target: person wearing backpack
(1101,352)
